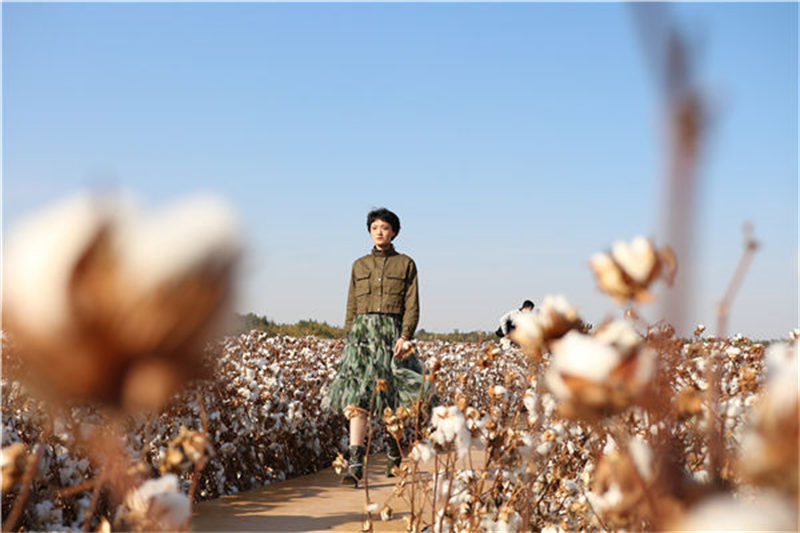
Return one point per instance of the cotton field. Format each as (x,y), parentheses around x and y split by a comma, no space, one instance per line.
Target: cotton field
(556,458)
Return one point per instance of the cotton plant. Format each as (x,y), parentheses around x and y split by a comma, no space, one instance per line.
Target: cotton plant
(537,330)
(765,511)
(112,303)
(574,439)
(600,374)
(448,431)
(769,448)
(155,505)
(626,272)
(250,440)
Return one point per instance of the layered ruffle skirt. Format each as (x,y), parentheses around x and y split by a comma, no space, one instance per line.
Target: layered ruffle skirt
(367,357)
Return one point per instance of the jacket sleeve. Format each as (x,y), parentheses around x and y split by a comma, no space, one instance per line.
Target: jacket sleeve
(411,311)
(351,302)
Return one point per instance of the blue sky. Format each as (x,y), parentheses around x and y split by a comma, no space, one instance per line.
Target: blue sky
(514,140)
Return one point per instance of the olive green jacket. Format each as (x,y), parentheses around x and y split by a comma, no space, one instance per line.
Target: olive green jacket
(384,282)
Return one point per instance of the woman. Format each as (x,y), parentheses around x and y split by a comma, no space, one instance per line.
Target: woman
(382,314)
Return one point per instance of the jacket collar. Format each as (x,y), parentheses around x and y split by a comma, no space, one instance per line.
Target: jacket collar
(384,253)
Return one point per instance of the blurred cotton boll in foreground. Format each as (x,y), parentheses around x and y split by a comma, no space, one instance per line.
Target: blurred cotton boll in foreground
(769,454)
(602,374)
(725,512)
(535,331)
(629,269)
(114,304)
(156,505)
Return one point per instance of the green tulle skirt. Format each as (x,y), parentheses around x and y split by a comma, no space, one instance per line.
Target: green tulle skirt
(367,357)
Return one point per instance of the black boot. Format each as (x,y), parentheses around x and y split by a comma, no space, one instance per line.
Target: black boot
(393,457)
(355,471)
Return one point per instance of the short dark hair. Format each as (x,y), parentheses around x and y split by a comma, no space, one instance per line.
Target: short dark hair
(527,303)
(387,216)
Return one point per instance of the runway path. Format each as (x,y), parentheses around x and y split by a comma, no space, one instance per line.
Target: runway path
(315,502)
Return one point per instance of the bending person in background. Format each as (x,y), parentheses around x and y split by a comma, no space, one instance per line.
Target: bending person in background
(508,322)
(382,315)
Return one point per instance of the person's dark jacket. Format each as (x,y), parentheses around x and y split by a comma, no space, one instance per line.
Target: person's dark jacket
(384,282)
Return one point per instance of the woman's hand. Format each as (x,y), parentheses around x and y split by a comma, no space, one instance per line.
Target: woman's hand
(398,346)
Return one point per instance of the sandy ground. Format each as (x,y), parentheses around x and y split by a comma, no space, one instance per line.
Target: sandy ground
(316,502)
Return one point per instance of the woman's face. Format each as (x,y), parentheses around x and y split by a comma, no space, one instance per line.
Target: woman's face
(381,233)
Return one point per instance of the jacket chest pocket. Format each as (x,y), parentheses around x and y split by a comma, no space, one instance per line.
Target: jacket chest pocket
(361,283)
(394,284)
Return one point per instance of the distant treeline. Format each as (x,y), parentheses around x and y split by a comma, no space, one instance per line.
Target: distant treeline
(324,330)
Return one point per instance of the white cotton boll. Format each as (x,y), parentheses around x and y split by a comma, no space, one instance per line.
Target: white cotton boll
(766,512)
(700,363)
(613,496)
(422,451)
(646,367)
(621,334)
(558,303)
(458,494)
(734,408)
(502,526)
(637,258)
(701,476)
(67,474)
(732,352)
(609,276)
(82,465)
(158,247)
(642,456)
(544,448)
(782,372)
(529,401)
(40,255)
(450,426)
(555,383)
(608,500)
(438,414)
(610,445)
(137,499)
(61,430)
(527,329)
(570,485)
(526,445)
(462,442)
(583,356)
(48,514)
(171,510)
(42,509)
(549,404)
(597,502)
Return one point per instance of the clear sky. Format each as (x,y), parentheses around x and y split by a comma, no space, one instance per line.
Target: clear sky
(513,140)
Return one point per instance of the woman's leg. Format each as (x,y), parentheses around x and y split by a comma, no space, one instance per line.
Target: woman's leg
(358,429)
